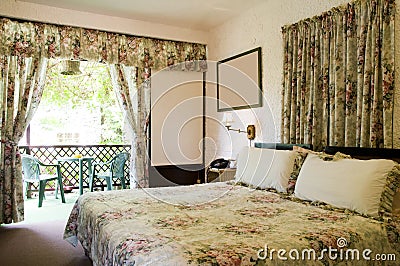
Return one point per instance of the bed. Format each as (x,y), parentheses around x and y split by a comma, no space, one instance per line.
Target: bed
(226,223)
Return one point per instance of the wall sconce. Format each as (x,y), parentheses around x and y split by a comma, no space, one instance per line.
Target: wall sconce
(228,120)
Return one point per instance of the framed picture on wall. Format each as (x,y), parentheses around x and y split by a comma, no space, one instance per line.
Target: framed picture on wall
(239,81)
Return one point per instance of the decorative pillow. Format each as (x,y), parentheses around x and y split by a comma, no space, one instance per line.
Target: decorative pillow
(265,168)
(298,162)
(353,184)
(323,155)
(396,203)
(304,150)
(390,199)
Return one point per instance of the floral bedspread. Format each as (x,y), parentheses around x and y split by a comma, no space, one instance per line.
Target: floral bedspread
(223,224)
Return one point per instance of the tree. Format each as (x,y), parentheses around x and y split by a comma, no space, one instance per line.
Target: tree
(68,99)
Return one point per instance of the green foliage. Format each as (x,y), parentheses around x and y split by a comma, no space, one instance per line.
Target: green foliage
(50,122)
(90,93)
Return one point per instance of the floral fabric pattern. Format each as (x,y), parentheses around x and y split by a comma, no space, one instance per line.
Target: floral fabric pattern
(338,77)
(389,190)
(298,162)
(215,224)
(133,94)
(21,87)
(31,39)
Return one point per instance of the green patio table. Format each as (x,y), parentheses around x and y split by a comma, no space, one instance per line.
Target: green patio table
(80,163)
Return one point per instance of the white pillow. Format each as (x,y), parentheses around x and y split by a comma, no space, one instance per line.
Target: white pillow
(265,168)
(348,183)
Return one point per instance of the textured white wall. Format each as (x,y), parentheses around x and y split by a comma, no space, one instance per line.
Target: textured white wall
(176,117)
(260,26)
(35,12)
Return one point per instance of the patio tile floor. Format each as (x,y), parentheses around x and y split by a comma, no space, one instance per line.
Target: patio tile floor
(52,208)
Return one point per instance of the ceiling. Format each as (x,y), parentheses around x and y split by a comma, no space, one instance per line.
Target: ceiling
(194,14)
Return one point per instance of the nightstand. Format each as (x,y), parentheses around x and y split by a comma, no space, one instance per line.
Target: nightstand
(220,175)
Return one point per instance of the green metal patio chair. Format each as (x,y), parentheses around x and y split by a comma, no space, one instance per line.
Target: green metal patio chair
(115,170)
(31,174)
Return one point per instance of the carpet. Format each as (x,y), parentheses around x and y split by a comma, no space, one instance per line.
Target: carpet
(38,241)
(39,244)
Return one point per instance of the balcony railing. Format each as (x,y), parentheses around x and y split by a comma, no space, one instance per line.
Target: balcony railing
(70,170)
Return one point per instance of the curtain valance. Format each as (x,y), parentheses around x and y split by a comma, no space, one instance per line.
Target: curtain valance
(31,39)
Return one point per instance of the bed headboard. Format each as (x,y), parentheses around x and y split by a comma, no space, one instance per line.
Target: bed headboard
(366,153)
(355,152)
(280,146)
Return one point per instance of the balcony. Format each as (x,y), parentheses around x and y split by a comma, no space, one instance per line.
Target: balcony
(69,170)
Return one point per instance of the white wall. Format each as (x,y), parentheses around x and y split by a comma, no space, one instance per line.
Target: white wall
(176,118)
(35,12)
(260,26)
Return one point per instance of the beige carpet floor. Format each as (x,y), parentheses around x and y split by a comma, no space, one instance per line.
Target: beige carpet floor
(38,244)
(38,241)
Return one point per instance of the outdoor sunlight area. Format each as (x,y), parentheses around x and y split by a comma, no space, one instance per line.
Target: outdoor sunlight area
(77,109)
(78,117)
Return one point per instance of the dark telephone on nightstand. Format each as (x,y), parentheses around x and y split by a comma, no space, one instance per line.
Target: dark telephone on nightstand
(219,163)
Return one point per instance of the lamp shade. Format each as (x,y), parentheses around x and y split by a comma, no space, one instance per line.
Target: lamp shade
(71,67)
(228,119)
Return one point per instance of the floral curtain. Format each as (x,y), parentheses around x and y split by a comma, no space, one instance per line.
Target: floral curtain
(54,41)
(21,87)
(338,77)
(133,92)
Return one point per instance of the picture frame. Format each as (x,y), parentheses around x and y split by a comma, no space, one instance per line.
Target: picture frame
(239,81)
